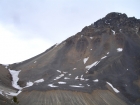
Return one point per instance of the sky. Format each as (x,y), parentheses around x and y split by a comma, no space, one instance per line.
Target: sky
(29,27)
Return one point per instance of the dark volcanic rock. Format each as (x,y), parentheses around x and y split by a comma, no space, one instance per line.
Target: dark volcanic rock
(99,65)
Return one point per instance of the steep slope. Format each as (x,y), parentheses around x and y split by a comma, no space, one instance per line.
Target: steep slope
(98,66)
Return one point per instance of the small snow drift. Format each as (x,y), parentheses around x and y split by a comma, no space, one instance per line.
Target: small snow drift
(76,86)
(93,64)
(15,78)
(96,80)
(85,60)
(119,49)
(40,80)
(117,91)
(61,82)
(51,85)
(113,32)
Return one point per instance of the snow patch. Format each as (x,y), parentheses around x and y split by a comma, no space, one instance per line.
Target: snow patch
(15,78)
(61,82)
(65,72)
(82,78)
(1,92)
(104,57)
(88,85)
(96,80)
(119,49)
(76,77)
(40,80)
(66,78)
(91,37)
(35,61)
(6,65)
(120,30)
(51,85)
(60,76)
(85,60)
(13,94)
(90,49)
(69,74)
(76,86)
(28,84)
(86,79)
(58,71)
(107,52)
(74,68)
(113,32)
(93,64)
(117,91)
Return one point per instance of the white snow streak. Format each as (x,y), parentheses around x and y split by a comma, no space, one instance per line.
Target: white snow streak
(86,79)
(96,80)
(119,49)
(13,94)
(58,71)
(76,86)
(90,66)
(85,60)
(15,85)
(60,76)
(88,85)
(1,92)
(65,72)
(28,84)
(107,52)
(51,85)
(61,82)
(91,37)
(15,78)
(40,80)
(117,91)
(104,57)
(120,30)
(76,77)
(66,78)
(82,78)
(6,65)
(74,68)
(113,32)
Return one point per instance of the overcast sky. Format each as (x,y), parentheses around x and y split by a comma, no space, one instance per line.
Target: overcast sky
(29,27)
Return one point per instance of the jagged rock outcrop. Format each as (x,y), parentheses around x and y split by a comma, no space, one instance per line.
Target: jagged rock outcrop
(99,65)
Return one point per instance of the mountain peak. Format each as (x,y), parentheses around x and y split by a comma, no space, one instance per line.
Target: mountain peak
(117,20)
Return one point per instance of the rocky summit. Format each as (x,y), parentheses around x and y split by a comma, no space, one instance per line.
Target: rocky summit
(98,66)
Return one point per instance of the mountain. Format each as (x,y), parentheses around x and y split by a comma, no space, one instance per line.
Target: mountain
(98,66)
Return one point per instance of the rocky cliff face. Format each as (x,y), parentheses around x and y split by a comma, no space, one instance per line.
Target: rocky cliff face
(98,66)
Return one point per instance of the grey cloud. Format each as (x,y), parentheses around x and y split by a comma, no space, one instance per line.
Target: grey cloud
(56,20)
